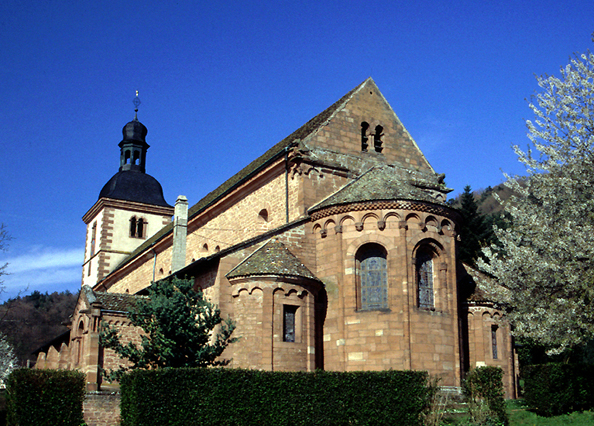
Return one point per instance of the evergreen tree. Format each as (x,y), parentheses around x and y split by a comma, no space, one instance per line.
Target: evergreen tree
(474,229)
(179,330)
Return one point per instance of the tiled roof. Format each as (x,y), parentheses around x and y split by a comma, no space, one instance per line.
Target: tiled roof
(384,183)
(273,258)
(478,294)
(275,152)
(118,302)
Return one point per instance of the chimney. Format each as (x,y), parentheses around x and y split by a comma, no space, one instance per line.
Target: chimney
(180,230)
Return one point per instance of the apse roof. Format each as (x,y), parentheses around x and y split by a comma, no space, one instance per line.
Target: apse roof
(273,258)
(383,183)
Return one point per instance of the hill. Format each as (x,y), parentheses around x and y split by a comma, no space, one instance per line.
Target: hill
(30,321)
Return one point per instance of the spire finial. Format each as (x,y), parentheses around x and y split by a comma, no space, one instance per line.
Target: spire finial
(136,102)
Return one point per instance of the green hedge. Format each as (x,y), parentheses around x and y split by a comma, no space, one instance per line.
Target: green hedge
(554,389)
(483,389)
(232,397)
(45,397)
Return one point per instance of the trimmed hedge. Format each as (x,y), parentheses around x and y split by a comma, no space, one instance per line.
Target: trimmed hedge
(45,397)
(233,397)
(483,389)
(554,389)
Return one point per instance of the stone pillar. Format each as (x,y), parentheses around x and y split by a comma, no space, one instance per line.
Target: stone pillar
(180,231)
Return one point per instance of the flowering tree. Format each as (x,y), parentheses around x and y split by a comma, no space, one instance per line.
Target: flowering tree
(8,360)
(543,273)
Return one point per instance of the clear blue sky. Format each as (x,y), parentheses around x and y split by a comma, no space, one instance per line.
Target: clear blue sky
(220,82)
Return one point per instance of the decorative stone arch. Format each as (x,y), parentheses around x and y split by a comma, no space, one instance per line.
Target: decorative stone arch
(371,217)
(345,218)
(316,228)
(447,228)
(415,220)
(393,220)
(432,222)
(430,275)
(329,224)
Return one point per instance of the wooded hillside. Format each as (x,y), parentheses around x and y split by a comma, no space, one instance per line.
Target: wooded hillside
(30,321)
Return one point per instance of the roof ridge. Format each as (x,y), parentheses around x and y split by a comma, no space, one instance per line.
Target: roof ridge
(301,133)
(253,167)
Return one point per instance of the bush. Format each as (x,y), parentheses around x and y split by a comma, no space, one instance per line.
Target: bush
(483,389)
(554,389)
(45,397)
(230,397)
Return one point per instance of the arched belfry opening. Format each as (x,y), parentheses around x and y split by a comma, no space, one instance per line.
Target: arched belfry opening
(133,146)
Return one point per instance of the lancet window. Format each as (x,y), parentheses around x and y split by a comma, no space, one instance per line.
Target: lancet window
(424,272)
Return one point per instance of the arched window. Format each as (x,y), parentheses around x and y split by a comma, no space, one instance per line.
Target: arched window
(424,272)
(263,215)
(93,238)
(140,228)
(137,227)
(133,226)
(372,268)
(494,341)
(377,138)
(364,138)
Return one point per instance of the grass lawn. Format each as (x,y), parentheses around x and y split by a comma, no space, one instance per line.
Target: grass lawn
(519,416)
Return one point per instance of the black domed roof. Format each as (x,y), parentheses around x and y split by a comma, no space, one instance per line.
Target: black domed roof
(133,185)
(134,131)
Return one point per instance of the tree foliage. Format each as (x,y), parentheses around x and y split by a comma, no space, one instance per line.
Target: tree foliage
(31,321)
(544,272)
(474,231)
(181,329)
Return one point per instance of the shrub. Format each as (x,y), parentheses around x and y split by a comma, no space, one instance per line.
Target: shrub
(483,389)
(45,397)
(553,389)
(232,397)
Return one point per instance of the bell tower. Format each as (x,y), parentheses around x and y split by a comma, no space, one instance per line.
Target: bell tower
(130,209)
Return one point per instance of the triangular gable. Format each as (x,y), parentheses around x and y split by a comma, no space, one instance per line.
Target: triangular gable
(342,133)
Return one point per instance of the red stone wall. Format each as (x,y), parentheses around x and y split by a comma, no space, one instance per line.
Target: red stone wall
(102,409)
(402,336)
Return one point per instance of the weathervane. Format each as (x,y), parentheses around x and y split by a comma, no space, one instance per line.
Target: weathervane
(136,102)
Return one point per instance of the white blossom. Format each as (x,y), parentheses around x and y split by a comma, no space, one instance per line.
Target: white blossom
(8,360)
(544,272)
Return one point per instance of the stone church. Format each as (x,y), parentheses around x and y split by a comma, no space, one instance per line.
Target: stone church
(333,250)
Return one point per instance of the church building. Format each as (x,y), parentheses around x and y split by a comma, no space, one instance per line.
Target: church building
(334,250)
